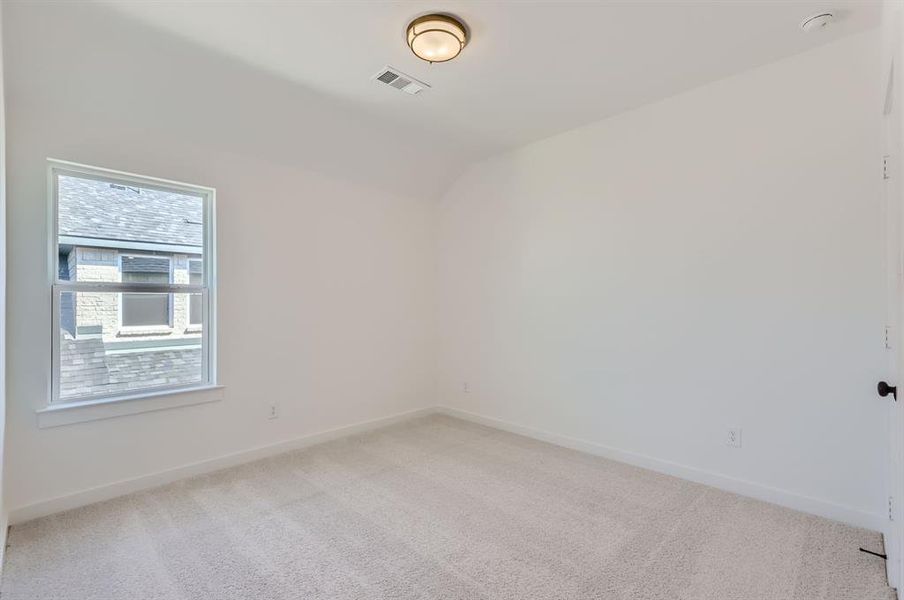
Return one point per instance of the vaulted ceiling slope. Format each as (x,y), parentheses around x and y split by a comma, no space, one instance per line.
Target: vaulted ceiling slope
(292,79)
(132,83)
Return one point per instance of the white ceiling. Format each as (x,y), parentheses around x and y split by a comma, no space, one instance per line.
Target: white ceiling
(532,69)
(290,82)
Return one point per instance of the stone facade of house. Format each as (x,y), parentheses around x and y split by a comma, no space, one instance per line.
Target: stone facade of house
(99,313)
(99,354)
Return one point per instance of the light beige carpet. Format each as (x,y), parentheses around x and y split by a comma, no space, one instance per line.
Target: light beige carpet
(438,508)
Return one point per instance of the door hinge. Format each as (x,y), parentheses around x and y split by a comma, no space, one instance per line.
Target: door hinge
(891,508)
(885,172)
(888,338)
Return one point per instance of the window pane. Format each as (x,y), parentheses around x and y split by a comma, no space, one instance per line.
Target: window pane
(140,310)
(154,269)
(98,358)
(195,277)
(196,271)
(100,221)
(195,309)
(145,310)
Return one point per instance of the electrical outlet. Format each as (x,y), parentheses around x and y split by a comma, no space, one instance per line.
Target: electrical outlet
(466,387)
(274,411)
(734,437)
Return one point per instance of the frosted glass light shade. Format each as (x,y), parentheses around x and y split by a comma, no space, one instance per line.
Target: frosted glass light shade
(436,38)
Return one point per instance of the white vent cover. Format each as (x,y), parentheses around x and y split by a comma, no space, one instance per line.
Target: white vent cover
(400,81)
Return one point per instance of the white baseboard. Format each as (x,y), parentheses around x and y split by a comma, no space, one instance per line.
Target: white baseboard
(43,508)
(829,510)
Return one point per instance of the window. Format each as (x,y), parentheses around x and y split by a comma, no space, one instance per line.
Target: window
(133,294)
(194,307)
(146,310)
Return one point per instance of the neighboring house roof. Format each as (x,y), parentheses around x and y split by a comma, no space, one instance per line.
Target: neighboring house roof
(98,210)
(87,368)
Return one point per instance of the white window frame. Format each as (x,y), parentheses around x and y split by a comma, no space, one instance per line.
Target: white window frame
(146,329)
(57,412)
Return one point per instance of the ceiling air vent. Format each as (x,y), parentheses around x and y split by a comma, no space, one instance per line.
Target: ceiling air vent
(395,78)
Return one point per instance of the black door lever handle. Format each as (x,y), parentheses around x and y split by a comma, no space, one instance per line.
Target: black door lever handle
(884,389)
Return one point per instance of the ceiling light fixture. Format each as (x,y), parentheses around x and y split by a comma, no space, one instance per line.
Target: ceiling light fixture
(436,38)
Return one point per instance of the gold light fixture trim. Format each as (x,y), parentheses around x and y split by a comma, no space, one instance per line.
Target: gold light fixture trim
(437,38)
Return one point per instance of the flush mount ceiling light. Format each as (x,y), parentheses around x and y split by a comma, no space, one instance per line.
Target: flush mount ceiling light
(436,38)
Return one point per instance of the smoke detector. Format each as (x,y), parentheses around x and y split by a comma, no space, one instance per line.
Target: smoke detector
(817,22)
(400,81)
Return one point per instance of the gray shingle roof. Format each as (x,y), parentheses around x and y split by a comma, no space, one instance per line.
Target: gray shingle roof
(87,368)
(96,209)
(145,264)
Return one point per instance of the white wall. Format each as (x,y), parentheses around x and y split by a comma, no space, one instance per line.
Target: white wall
(3,503)
(325,283)
(710,261)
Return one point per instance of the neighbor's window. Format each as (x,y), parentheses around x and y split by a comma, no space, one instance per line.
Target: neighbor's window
(145,310)
(195,311)
(133,295)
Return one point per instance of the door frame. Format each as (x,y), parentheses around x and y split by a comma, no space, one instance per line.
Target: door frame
(892,59)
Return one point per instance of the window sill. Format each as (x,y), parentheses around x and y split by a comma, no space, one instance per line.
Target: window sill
(140,331)
(56,415)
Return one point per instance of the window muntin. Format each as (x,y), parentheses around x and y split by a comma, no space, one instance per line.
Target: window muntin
(133,265)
